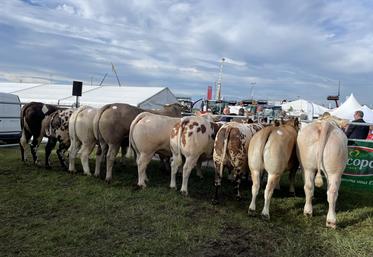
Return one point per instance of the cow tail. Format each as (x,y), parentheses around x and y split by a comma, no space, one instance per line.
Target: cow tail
(72,126)
(226,138)
(183,122)
(322,141)
(132,148)
(96,121)
(24,125)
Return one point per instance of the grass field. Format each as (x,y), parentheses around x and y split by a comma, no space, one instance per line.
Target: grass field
(52,213)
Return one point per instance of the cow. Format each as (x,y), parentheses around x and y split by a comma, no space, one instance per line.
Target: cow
(230,150)
(32,116)
(82,138)
(322,146)
(150,134)
(56,127)
(193,138)
(272,149)
(111,127)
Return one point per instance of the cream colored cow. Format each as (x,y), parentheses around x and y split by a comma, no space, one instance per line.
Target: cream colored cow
(82,138)
(272,149)
(150,134)
(322,145)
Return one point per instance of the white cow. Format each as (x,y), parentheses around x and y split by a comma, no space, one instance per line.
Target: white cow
(322,145)
(192,137)
(82,137)
(150,134)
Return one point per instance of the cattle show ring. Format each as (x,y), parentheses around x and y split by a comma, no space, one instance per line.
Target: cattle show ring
(90,174)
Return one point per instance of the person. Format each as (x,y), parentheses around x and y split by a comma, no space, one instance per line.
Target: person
(357,131)
(226,111)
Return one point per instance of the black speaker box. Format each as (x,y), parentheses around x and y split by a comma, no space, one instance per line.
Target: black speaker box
(77,88)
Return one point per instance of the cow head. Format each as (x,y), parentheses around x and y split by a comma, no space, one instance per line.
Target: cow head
(172,110)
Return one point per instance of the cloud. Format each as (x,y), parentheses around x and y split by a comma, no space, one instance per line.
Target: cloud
(179,44)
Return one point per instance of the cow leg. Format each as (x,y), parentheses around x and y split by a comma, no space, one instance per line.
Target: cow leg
(215,200)
(61,155)
(334,181)
(85,151)
(292,174)
(255,177)
(165,163)
(34,148)
(100,153)
(23,143)
(110,158)
(142,162)
(237,187)
(73,152)
(273,179)
(190,163)
(309,176)
(123,150)
(199,169)
(175,164)
(48,149)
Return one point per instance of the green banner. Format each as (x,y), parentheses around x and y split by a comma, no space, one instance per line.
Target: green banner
(359,168)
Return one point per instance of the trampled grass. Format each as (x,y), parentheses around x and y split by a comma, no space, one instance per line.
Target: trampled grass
(52,213)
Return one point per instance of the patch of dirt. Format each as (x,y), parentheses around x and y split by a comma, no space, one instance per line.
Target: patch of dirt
(236,241)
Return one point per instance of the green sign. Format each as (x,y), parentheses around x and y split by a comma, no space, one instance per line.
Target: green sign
(359,168)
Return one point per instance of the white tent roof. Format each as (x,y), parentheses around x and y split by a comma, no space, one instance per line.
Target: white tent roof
(347,109)
(145,97)
(302,106)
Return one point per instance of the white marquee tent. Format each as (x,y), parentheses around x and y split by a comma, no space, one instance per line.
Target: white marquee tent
(348,108)
(144,97)
(301,106)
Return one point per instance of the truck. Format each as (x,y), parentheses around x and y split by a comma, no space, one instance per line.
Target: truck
(10,118)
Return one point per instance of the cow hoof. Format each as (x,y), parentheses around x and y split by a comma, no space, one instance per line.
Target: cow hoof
(88,174)
(265,216)
(184,193)
(214,202)
(96,175)
(251,213)
(330,224)
(292,194)
(48,167)
(238,198)
(173,188)
(108,180)
(308,214)
(138,187)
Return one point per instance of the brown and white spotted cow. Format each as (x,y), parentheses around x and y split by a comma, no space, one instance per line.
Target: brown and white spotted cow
(193,138)
(82,138)
(150,134)
(230,150)
(56,128)
(272,149)
(32,116)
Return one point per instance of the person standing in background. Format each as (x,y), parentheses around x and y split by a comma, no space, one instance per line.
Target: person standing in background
(357,131)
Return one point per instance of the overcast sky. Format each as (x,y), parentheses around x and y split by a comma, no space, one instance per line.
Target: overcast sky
(273,49)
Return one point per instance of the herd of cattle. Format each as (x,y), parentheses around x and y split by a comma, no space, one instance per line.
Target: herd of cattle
(319,147)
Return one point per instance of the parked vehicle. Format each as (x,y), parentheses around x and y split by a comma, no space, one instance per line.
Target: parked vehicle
(10,115)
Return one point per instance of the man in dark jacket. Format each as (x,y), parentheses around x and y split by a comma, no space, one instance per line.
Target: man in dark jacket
(357,131)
